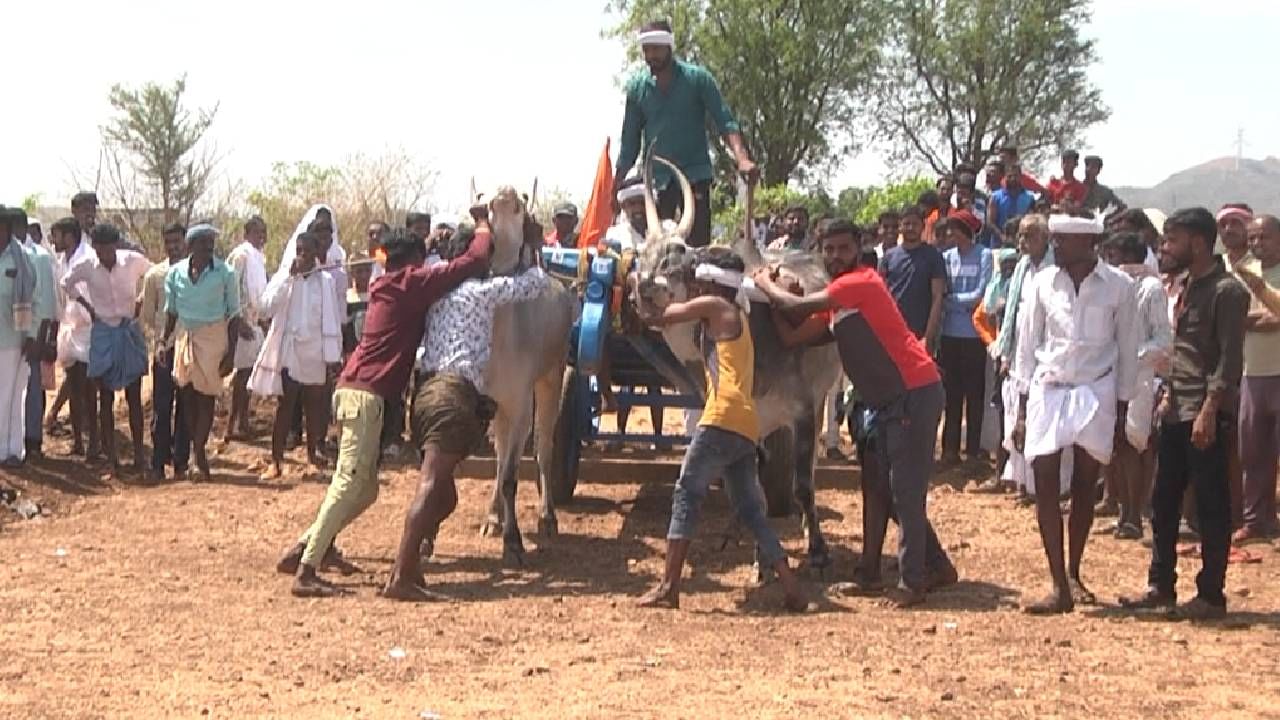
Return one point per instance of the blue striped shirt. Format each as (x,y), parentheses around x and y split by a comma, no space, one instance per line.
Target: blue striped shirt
(967,278)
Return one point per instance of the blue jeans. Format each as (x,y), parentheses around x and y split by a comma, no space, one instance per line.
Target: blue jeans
(715,453)
(34,431)
(170,441)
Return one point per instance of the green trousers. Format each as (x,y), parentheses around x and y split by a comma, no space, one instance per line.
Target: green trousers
(355,481)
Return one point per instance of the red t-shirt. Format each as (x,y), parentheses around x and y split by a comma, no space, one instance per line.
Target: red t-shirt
(397,316)
(1061,190)
(880,354)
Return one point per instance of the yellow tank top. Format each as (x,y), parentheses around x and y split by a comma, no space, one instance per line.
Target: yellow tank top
(731,368)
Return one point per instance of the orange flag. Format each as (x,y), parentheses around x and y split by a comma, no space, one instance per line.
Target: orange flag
(599,214)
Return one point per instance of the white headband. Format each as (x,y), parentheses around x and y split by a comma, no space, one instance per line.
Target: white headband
(1068,225)
(718,275)
(630,191)
(657,37)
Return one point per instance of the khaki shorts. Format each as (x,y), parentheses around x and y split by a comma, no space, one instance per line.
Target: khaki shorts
(450,414)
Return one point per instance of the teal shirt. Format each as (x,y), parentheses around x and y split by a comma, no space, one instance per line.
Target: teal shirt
(42,300)
(675,121)
(45,303)
(215,296)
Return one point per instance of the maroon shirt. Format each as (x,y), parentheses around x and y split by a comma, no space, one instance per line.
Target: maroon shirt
(397,315)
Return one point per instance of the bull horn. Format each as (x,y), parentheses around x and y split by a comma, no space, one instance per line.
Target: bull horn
(686,190)
(654,230)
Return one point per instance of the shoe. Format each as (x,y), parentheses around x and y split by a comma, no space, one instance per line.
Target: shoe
(1106,508)
(1187,532)
(1152,599)
(1250,536)
(1197,609)
(992,486)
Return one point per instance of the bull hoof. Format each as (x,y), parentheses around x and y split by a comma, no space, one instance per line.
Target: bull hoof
(818,559)
(548,527)
(513,553)
(491,528)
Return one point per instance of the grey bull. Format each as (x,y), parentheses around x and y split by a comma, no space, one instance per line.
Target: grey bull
(529,353)
(790,384)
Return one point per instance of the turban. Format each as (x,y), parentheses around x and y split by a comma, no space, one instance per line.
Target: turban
(1069,225)
(967,220)
(657,37)
(629,192)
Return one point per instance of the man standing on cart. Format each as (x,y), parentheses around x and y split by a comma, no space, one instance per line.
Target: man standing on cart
(668,106)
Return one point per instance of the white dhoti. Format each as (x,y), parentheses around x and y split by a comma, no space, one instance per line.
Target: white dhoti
(1018,468)
(247,350)
(990,439)
(13,396)
(1059,416)
(1141,417)
(73,344)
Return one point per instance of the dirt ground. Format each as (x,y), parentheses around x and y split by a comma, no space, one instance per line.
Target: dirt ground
(163,602)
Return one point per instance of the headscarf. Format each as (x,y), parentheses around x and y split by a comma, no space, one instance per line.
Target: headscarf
(336,255)
(1008,326)
(998,287)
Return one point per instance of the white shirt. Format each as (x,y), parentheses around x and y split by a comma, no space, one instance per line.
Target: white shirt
(1155,333)
(626,236)
(459,335)
(298,327)
(75,316)
(112,293)
(250,266)
(1075,338)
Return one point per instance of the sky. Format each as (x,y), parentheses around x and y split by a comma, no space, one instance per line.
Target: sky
(510,90)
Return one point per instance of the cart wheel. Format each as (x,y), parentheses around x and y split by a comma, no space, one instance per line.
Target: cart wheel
(777,472)
(566,450)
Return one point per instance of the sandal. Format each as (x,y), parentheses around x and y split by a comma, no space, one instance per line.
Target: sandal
(1128,531)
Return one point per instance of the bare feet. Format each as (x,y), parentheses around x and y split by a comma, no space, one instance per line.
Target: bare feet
(1058,602)
(1080,595)
(275,472)
(410,592)
(333,560)
(662,596)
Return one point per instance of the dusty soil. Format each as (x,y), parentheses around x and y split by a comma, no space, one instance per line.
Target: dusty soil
(163,602)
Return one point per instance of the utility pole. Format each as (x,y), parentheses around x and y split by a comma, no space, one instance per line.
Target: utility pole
(1239,147)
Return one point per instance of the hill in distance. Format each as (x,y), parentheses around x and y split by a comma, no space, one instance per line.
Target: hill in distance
(1212,185)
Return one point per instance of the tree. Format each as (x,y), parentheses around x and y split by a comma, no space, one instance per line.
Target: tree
(891,197)
(961,79)
(157,165)
(362,190)
(790,71)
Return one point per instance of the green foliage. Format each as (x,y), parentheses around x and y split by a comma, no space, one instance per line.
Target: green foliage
(156,167)
(285,196)
(891,197)
(31,202)
(790,71)
(962,78)
(771,201)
